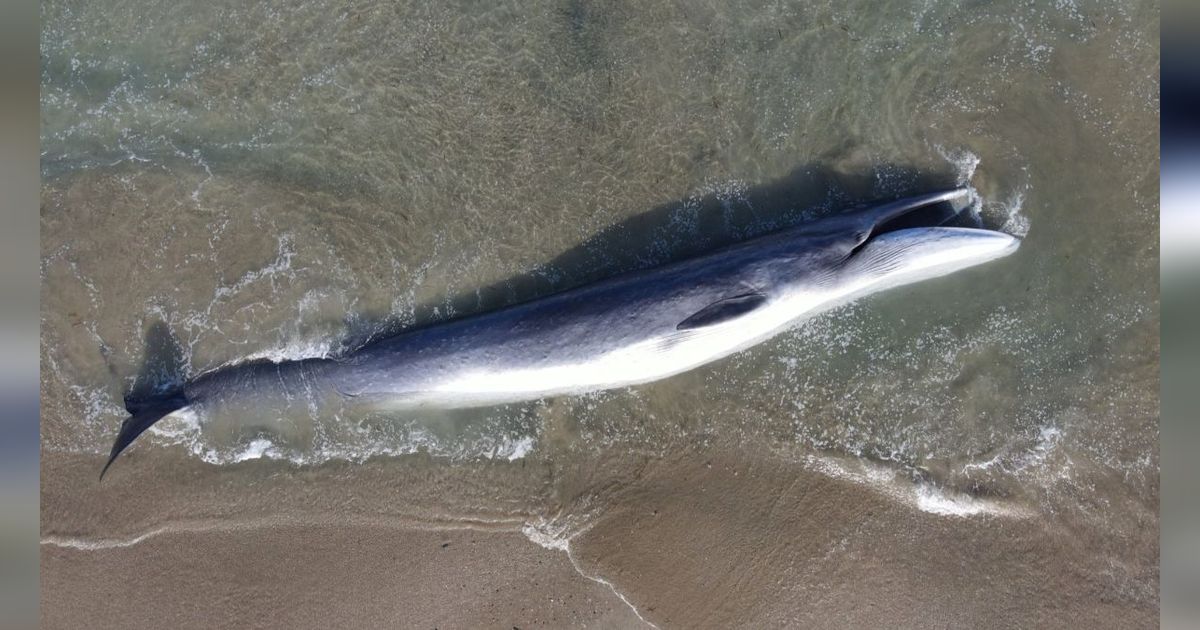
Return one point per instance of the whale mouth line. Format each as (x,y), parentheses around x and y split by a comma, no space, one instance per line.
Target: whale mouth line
(947,210)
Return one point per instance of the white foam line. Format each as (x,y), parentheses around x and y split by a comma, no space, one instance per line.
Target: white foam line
(935,501)
(924,497)
(83,544)
(100,544)
(550,541)
(596,578)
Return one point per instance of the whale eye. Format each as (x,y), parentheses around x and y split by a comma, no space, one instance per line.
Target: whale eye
(860,239)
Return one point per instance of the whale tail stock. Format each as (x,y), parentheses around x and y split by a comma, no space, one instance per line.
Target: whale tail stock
(145,412)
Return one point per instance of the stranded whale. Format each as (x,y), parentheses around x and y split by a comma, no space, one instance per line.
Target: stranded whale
(629,329)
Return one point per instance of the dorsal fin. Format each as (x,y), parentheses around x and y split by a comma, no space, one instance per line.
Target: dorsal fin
(723,310)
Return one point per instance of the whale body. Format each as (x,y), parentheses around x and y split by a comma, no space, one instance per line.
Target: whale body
(630,329)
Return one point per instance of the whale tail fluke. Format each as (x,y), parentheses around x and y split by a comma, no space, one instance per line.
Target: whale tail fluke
(157,390)
(146,411)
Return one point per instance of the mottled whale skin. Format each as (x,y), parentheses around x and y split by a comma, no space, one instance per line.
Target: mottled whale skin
(629,329)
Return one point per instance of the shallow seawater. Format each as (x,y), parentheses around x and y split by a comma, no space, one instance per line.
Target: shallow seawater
(237,180)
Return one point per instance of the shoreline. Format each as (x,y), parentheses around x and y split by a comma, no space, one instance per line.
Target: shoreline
(718,537)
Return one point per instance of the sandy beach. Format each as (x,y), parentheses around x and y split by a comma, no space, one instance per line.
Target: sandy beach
(277,181)
(693,541)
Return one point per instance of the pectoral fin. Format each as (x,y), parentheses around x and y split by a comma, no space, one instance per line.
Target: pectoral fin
(723,311)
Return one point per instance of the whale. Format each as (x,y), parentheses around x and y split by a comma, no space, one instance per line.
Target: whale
(623,331)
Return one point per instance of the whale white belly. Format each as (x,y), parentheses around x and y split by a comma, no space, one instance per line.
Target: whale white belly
(660,356)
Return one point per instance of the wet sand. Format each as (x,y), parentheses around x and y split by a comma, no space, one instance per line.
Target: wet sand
(689,541)
(304,576)
(287,552)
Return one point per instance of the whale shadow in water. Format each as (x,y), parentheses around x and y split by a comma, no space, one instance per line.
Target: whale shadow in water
(164,367)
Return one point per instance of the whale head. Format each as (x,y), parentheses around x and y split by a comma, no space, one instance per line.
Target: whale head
(908,255)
